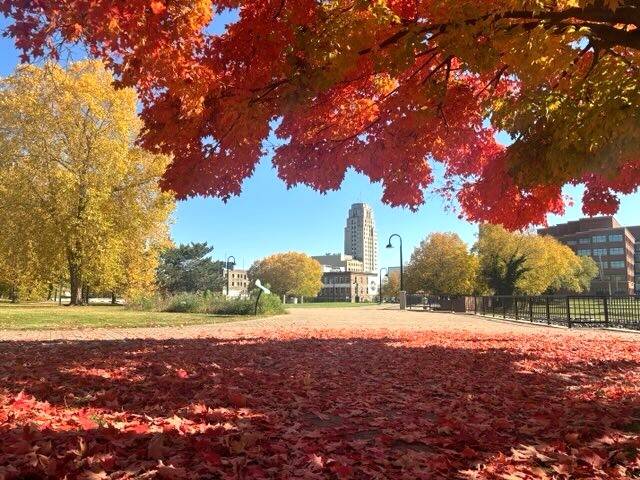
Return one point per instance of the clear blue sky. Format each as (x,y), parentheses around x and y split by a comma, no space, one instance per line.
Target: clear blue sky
(268,218)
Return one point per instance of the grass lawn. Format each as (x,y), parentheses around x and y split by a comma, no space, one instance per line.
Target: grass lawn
(328,305)
(49,317)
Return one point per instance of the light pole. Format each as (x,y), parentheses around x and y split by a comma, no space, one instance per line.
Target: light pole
(380,285)
(234,262)
(389,245)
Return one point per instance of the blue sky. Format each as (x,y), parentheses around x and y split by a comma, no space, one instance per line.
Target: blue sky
(268,218)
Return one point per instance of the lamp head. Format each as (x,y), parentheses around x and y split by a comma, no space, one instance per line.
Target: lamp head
(389,245)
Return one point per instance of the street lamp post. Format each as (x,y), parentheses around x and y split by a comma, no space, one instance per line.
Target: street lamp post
(389,245)
(380,285)
(234,262)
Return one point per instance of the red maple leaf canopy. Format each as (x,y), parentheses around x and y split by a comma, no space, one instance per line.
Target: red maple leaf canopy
(383,87)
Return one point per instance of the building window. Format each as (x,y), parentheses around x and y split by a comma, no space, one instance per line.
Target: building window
(584,240)
(616,237)
(584,252)
(598,252)
(599,238)
(603,265)
(571,242)
(617,264)
(616,251)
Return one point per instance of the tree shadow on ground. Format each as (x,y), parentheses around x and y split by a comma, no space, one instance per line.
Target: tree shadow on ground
(428,407)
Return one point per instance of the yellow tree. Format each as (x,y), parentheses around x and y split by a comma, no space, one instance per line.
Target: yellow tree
(72,180)
(391,285)
(529,264)
(290,273)
(442,264)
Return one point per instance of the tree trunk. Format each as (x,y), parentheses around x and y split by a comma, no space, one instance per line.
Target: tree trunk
(75,277)
(114,300)
(85,294)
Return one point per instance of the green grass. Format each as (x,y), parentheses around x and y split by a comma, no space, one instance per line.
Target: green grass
(327,305)
(49,317)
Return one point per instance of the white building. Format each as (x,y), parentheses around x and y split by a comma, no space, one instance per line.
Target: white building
(360,237)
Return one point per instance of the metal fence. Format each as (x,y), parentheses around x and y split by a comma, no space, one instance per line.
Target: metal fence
(570,311)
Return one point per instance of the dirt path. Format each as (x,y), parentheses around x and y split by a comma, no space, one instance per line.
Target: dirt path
(305,321)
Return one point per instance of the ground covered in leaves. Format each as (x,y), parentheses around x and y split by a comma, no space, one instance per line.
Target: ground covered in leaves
(324,404)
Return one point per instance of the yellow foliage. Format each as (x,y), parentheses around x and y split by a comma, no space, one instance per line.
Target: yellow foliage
(442,264)
(73,182)
(290,273)
(547,265)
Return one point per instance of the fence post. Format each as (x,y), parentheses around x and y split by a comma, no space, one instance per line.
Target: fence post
(548,310)
(504,309)
(568,312)
(606,311)
(530,309)
(515,300)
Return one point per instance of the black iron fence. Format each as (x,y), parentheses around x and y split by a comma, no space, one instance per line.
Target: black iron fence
(436,302)
(567,310)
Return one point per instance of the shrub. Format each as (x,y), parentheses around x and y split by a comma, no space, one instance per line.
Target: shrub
(270,305)
(187,303)
(232,306)
(211,303)
(145,303)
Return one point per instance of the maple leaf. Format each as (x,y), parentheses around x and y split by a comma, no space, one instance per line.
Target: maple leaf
(316,461)
(236,398)
(171,473)
(86,421)
(91,475)
(158,7)
(22,401)
(156,448)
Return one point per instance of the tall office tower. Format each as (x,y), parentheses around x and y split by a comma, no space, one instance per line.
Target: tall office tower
(360,237)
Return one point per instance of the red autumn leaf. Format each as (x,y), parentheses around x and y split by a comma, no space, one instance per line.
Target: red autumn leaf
(425,403)
(156,448)
(212,458)
(158,7)
(22,401)
(237,399)
(85,421)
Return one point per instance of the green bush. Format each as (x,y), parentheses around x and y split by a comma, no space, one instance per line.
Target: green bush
(146,303)
(233,306)
(270,305)
(187,303)
(211,303)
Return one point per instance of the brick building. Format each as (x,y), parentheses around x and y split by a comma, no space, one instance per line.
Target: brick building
(614,248)
(347,287)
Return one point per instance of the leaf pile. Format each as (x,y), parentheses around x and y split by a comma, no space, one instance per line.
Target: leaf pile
(322,404)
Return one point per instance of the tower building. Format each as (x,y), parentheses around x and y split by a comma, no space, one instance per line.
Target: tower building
(360,237)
